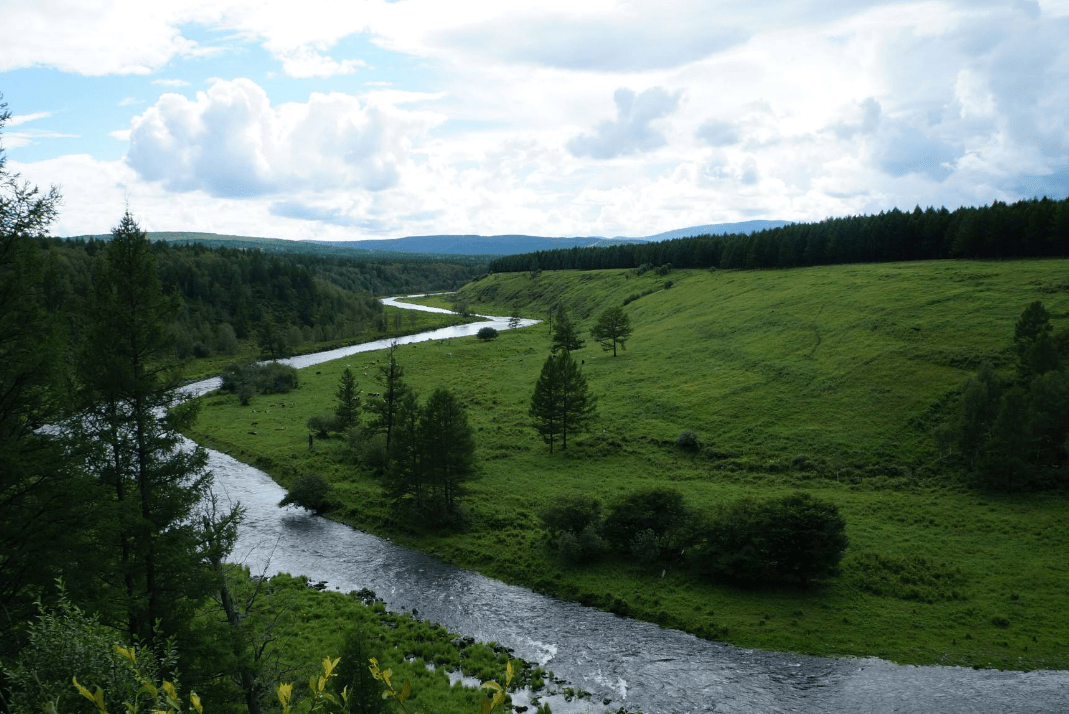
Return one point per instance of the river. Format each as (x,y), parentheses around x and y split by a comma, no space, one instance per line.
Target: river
(624,662)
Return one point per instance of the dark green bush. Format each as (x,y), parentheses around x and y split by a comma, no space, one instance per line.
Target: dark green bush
(688,441)
(309,491)
(659,510)
(583,547)
(795,538)
(571,514)
(486,334)
(258,378)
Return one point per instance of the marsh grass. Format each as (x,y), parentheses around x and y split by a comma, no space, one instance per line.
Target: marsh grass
(827,380)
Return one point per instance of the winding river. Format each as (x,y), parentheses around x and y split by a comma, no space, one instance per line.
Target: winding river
(622,662)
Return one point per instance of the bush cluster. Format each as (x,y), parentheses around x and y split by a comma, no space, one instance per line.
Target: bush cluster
(258,378)
(796,538)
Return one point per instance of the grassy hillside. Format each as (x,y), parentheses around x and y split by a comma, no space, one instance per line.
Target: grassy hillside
(825,379)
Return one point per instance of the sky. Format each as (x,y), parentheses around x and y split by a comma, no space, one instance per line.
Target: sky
(352,120)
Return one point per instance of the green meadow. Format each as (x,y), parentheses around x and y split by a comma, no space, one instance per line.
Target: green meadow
(827,380)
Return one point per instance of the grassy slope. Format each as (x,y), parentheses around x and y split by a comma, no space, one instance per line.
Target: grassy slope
(825,379)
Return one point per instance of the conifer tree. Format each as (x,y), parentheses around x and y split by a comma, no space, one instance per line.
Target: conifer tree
(448,447)
(348,396)
(383,408)
(562,402)
(131,419)
(565,336)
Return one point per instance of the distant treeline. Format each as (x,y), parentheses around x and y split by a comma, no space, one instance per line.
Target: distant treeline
(230,294)
(1026,229)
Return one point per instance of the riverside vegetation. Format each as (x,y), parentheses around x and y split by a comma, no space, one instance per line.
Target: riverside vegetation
(735,385)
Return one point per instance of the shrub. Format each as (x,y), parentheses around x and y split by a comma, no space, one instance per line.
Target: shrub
(658,510)
(571,514)
(310,491)
(322,424)
(373,453)
(645,546)
(65,641)
(269,378)
(688,441)
(364,692)
(796,537)
(582,547)
(486,334)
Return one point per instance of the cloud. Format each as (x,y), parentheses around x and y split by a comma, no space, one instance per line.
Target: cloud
(610,42)
(93,39)
(305,63)
(907,149)
(631,132)
(129,101)
(718,133)
(17,119)
(304,212)
(230,141)
(170,82)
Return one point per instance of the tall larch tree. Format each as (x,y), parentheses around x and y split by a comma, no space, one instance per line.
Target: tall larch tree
(131,417)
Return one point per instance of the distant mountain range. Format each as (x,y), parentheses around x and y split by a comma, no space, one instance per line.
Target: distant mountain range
(512,244)
(458,245)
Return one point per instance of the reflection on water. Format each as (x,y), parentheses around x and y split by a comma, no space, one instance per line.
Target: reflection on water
(631,664)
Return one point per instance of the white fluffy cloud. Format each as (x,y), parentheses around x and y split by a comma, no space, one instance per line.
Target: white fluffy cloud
(632,131)
(752,109)
(230,141)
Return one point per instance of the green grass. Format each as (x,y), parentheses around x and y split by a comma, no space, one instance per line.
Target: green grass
(824,379)
(308,625)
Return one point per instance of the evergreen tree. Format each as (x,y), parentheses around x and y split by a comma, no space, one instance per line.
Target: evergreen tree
(131,419)
(383,408)
(565,336)
(448,445)
(45,503)
(407,457)
(348,396)
(561,402)
(612,328)
(1033,342)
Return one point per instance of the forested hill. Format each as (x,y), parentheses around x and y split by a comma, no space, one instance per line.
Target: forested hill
(1033,228)
(479,245)
(371,250)
(276,299)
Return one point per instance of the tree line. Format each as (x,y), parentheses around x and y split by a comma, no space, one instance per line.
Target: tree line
(1025,229)
(1011,432)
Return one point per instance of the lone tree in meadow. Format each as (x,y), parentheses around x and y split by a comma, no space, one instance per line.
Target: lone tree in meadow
(348,396)
(565,336)
(612,328)
(561,402)
(384,407)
